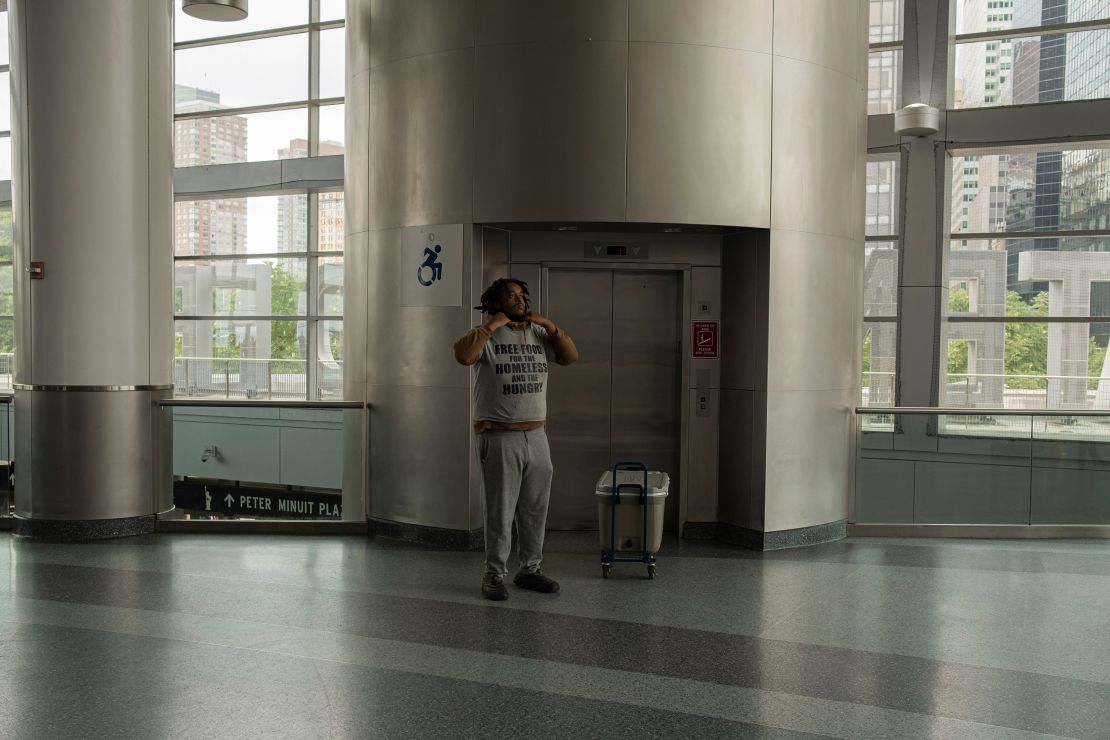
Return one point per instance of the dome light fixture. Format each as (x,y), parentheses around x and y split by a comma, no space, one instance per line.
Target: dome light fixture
(216,10)
(917,119)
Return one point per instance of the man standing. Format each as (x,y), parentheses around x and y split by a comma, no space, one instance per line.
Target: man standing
(511,351)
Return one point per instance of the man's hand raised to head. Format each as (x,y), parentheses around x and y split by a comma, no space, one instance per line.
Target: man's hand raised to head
(545,323)
(496,321)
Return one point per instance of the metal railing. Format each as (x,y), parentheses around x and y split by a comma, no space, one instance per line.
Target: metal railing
(254,378)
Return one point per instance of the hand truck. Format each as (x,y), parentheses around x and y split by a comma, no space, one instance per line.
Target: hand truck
(608,557)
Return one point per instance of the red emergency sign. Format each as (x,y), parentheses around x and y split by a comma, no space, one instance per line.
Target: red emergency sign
(705,339)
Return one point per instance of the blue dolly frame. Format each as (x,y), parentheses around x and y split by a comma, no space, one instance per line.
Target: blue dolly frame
(608,557)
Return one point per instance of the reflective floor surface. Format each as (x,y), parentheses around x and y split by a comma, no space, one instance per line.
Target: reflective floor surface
(266,636)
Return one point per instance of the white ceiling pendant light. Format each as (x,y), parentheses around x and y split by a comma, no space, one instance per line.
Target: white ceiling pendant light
(216,10)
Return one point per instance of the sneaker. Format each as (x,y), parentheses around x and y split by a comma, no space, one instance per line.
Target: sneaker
(493,587)
(536,582)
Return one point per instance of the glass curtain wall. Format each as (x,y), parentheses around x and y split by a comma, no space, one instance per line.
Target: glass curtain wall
(1016,52)
(880,280)
(259,280)
(884,62)
(1029,278)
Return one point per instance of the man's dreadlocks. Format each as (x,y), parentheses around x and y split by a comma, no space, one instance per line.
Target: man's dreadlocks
(491,299)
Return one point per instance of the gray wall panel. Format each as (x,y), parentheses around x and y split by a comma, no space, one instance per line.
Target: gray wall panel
(356,159)
(725,23)
(815,312)
(702,469)
(884,491)
(809,457)
(402,29)
(744,299)
(422,151)
(355,330)
(357,39)
(551,132)
(420,447)
(698,135)
(514,22)
(742,454)
(952,493)
(816,121)
(827,34)
(1068,496)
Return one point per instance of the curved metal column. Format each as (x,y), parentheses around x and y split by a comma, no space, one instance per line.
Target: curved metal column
(93,204)
(607,111)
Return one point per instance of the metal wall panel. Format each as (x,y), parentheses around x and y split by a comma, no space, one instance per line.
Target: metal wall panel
(160,209)
(551,132)
(814,149)
(822,33)
(106,442)
(409,346)
(89,236)
(699,135)
(402,29)
(705,290)
(723,23)
(357,40)
(884,491)
(420,443)
(742,458)
(702,453)
(1069,496)
(579,396)
(745,260)
(647,375)
(422,142)
(514,22)
(662,248)
(952,493)
(809,457)
(356,278)
(814,313)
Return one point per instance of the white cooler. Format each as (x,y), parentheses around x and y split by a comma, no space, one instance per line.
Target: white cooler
(630,515)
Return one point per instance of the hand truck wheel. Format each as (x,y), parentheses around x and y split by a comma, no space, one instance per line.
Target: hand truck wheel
(605,570)
(651,572)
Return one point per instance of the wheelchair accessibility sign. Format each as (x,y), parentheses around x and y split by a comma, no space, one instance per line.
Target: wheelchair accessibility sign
(431,265)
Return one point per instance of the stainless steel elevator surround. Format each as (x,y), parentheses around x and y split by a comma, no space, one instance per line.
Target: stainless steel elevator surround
(90,388)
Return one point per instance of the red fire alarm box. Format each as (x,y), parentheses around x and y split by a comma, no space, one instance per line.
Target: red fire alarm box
(37,270)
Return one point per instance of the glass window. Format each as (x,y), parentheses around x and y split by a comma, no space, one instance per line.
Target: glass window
(880,281)
(885,21)
(884,76)
(332,128)
(332,10)
(263,15)
(250,137)
(245,73)
(976,17)
(332,54)
(243,358)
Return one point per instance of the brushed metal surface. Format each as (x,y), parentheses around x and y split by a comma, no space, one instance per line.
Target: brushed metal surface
(160,209)
(742,458)
(422,152)
(699,136)
(702,469)
(646,382)
(982,531)
(514,22)
(954,493)
(705,287)
(724,23)
(356,156)
(420,442)
(825,34)
(809,450)
(409,346)
(662,248)
(357,37)
(744,282)
(815,149)
(355,328)
(815,285)
(68,75)
(402,29)
(88,455)
(551,132)
(579,396)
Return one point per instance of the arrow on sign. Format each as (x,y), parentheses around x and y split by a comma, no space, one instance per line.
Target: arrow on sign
(635,250)
(597,249)
(229,499)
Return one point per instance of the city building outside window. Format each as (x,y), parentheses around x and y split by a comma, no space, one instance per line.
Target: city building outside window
(1037,51)
(884,61)
(259,280)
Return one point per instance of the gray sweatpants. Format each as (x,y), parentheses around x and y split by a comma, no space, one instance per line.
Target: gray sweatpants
(516,471)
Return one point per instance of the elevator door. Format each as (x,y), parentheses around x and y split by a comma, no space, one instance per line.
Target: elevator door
(621,400)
